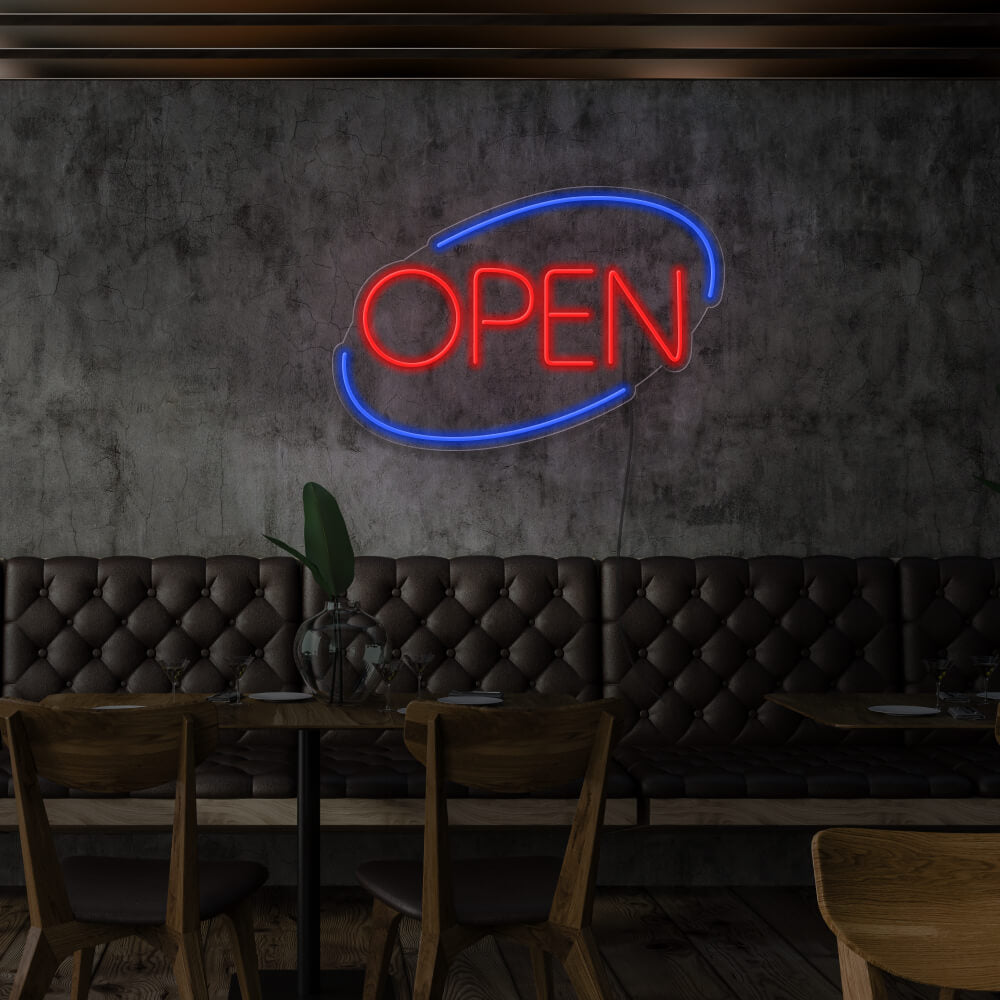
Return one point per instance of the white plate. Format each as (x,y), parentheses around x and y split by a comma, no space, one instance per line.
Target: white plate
(281,696)
(105,708)
(471,699)
(904,710)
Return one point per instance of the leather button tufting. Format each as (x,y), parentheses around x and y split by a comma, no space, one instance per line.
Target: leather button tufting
(670,684)
(125,621)
(43,592)
(204,654)
(97,591)
(423,621)
(259,653)
(123,684)
(531,684)
(450,653)
(531,622)
(751,653)
(857,591)
(641,592)
(696,653)
(177,622)
(96,653)
(642,654)
(697,713)
(695,592)
(395,591)
(748,592)
(232,622)
(42,653)
(151,654)
(449,592)
(395,654)
(151,592)
(205,591)
(859,652)
(504,653)
(558,654)
(259,592)
(69,684)
(806,653)
(557,592)
(69,622)
(803,592)
(475,621)
(939,592)
(752,713)
(643,713)
(504,591)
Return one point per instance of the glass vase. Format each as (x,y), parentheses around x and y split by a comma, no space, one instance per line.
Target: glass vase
(338,652)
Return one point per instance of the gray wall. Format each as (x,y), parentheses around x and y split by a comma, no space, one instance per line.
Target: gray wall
(178,259)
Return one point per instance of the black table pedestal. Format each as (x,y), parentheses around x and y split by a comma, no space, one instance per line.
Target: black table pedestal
(307,981)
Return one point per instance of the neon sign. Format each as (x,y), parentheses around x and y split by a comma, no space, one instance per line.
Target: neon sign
(552,303)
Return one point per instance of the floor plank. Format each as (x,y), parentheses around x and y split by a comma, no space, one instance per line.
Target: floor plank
(710,944)
(647,954)
(754,961)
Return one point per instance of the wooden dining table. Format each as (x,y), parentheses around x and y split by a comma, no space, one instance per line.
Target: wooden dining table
(310,719)
(852,710)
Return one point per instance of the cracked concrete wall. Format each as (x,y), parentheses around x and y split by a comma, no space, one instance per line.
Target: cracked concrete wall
(178,259)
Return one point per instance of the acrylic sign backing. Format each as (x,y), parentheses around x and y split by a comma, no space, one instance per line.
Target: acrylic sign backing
(528,319)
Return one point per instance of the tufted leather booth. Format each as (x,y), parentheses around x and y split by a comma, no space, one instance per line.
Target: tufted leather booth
(691,645)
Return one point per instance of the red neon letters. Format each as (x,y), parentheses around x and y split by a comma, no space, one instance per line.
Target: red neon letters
(554,289)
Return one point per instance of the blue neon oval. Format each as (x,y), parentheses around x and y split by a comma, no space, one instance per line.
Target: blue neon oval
(558,199)
(484,438)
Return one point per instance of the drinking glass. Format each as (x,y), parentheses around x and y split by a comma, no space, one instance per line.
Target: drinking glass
(419,663)
(175,670)
(387,670)
(239,665)
(985,665)
(938,670)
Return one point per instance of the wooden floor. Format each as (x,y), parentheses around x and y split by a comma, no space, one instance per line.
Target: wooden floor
(659,944)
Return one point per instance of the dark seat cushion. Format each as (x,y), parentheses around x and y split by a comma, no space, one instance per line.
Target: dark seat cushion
(797,771)
(486,891)
(389,770)
(979,763)
(134,891)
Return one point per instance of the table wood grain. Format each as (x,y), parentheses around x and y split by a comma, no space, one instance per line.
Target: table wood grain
(851,710)
(251,714)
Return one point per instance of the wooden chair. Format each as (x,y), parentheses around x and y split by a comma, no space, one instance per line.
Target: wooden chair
(79,903)
(545,903)
(923,906)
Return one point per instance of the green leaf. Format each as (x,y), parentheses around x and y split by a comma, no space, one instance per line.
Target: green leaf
(328,543)
(324,583)
(990,483)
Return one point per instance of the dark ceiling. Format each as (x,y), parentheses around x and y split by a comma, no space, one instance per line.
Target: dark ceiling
(571,40)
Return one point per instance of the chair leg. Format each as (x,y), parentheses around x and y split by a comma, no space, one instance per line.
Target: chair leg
(432,968)
(37,967)
(858,979)
(83,970)
(585,967)
(541,967)
(189,967)
(382,938)
(240,922)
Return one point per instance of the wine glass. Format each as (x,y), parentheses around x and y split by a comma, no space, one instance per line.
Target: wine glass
(387,670)
(985,665)
(938,669)
(238,665)
(175,670)
(419,663)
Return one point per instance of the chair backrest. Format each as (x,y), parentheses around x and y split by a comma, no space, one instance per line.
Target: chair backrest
(111,751)
(509,749)
(119,750)
(922,906)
